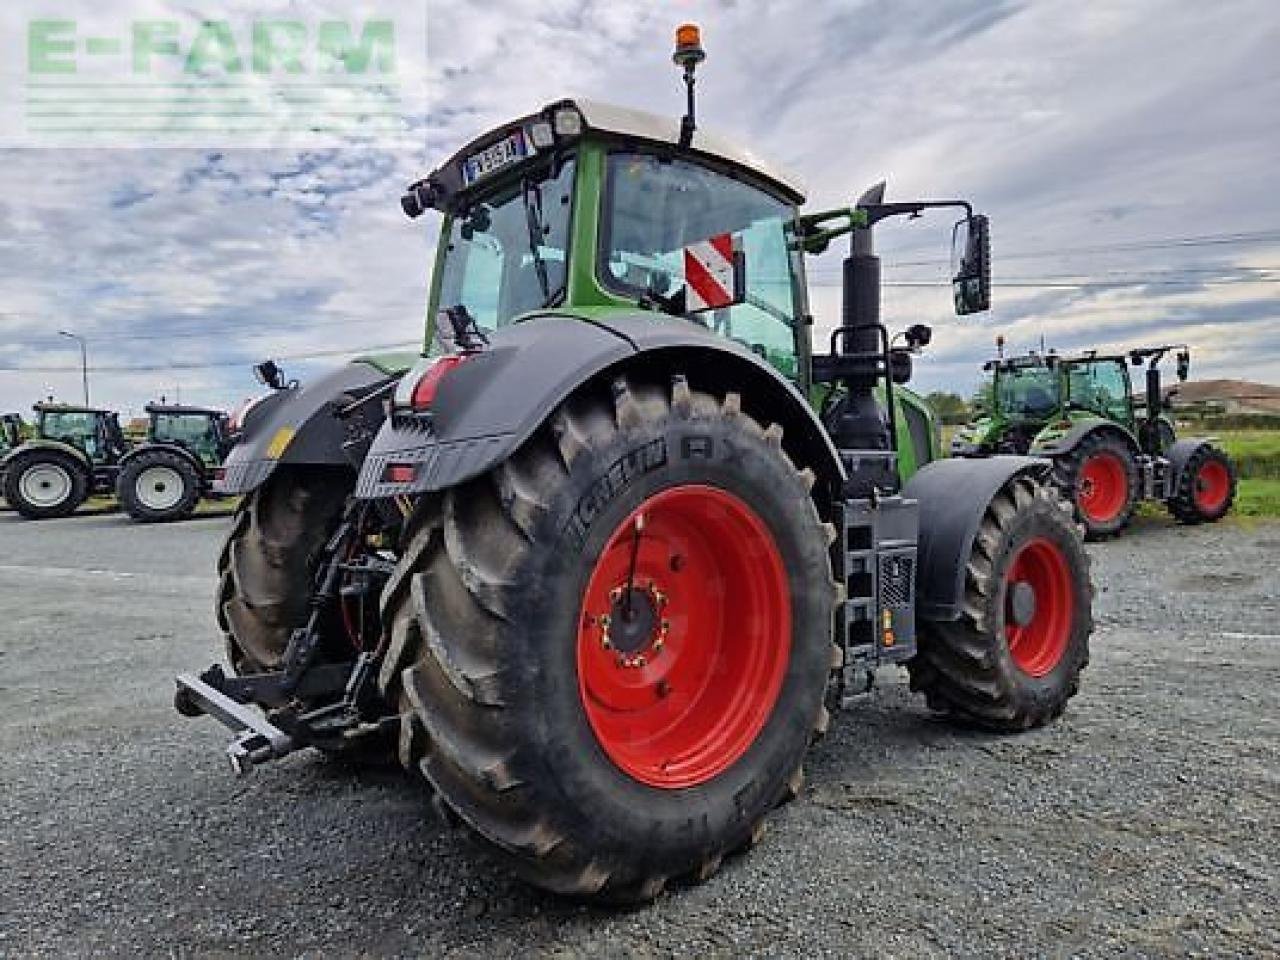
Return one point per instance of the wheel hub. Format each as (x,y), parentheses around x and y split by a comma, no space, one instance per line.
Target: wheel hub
(1022,603)
(684,636)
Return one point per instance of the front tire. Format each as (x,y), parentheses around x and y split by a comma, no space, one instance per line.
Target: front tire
(1206,487)
(45,484)
(158,486)
(1013,658)
(598,755)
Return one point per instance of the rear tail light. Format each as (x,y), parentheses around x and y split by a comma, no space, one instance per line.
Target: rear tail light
(418,389)
(399,473)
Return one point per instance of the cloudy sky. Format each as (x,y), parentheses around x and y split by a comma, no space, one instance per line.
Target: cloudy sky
(1126,151)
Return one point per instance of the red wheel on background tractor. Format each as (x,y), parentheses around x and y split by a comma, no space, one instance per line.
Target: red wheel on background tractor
(1206,487)
(1100,477)
(610,653)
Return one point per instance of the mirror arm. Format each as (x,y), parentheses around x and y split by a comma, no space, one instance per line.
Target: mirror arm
(875,212)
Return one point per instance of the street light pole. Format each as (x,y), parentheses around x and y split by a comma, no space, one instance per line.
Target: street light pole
(84,360)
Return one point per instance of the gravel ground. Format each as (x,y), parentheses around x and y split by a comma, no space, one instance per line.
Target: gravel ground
(1147,823)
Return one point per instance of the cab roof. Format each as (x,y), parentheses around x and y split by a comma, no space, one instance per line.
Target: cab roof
(67,408)
(626,123)
(179,410)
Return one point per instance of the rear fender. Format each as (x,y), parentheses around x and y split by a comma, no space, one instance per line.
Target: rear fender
(1049,444)
(37,444)
(489,406)
(168,447)
(953,495)
(300,427)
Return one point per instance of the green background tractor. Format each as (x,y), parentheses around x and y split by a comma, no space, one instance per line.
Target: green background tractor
(12,432)
(1110,450)
(165,477)
(74,452)
(594,564)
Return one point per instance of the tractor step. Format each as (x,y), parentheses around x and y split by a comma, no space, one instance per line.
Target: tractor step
(876,620)
(259,740)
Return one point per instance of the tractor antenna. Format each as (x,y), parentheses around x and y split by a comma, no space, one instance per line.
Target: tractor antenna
(689,54)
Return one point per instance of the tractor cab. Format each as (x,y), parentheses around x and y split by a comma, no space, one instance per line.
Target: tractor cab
(94,432)
(203,432)
(587,206)
(1023,394)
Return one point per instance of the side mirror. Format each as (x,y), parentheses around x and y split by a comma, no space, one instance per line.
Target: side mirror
(971,265)
(269,374)
(715,273)
(1184,364)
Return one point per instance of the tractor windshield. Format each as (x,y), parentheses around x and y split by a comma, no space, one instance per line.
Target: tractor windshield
(506,253)
(1101,387)
(655,207)
(78,428)
(1027,393)
(193,431)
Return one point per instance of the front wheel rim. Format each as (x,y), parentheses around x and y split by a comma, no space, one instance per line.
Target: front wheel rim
(1213,486)
(679,676)
(159,488)
(45,485)
(1038,636)
(1103,487)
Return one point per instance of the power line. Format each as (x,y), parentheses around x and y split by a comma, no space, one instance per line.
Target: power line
(181,365)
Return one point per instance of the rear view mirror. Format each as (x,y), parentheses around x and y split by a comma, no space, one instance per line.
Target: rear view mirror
(971,265)
(269,374)
(715,273)
(1184,365)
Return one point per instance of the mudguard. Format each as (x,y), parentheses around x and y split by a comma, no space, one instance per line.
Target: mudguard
(168,446)
(1055,446)
(1179,454)
(36,444)
(953,495)
(296,426)
(490,405)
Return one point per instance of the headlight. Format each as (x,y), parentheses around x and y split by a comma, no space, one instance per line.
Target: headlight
(568,122)
(541,135)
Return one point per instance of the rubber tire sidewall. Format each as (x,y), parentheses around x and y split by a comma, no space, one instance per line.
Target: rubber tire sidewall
(24,462)
(603,802)
(127,491)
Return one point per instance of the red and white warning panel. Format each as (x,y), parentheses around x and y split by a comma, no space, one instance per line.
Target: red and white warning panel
(713,273)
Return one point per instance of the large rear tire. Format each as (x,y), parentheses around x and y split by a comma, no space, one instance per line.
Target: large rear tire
(1013,659)
(157,486)
(1206,487)
(1100,478)
(604,739)
(267,563)
(44,484)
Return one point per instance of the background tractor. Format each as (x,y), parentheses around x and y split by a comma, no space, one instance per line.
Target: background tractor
(1109,450)
(593,563)
(75,452)
(12,432)
(165,477)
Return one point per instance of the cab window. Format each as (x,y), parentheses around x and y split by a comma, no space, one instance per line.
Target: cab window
(655,207)
(1101,387)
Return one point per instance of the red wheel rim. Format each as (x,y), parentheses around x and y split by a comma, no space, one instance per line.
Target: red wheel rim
(679,688)
(1213,486)
(1037,634)
(1103,487)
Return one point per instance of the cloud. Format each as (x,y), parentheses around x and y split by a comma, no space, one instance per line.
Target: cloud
(1077,127)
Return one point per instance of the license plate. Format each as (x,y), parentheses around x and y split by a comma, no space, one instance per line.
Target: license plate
(511,149)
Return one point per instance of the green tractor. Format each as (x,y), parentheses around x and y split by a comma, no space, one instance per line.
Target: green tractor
(594,565)
(1109,450)
(75,452)
(164,478)
(12,432)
